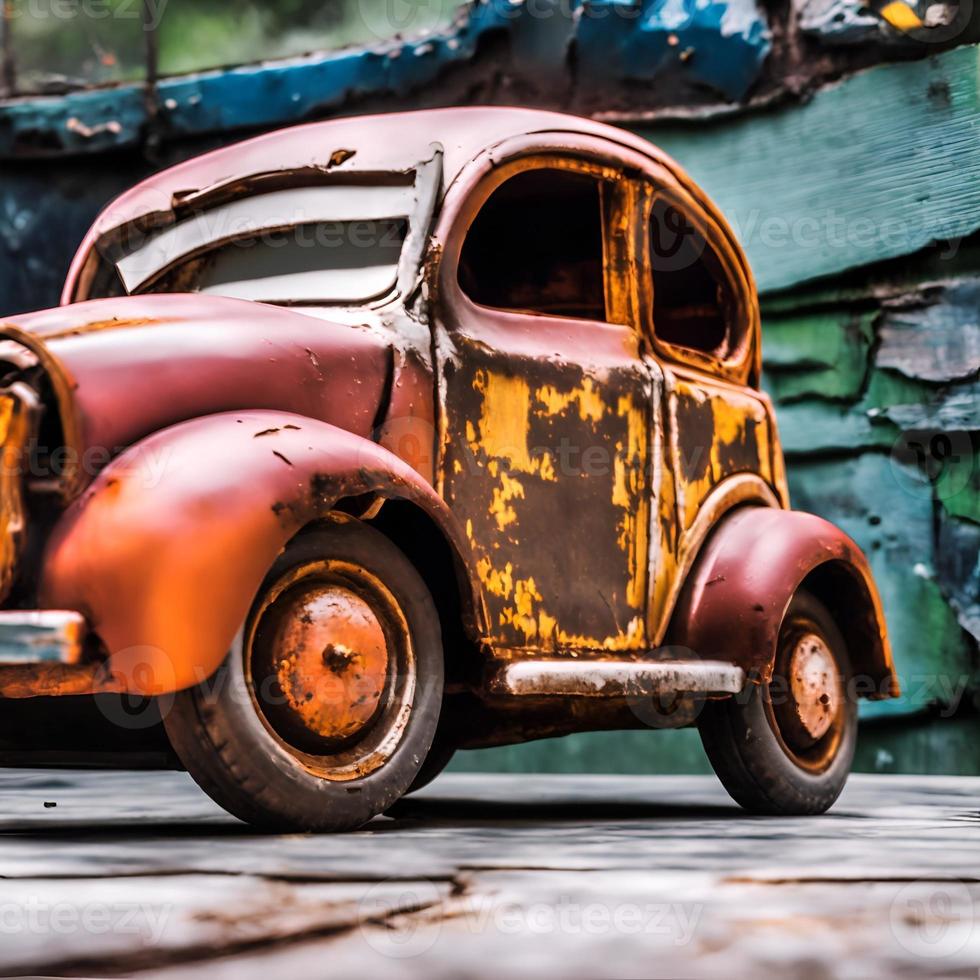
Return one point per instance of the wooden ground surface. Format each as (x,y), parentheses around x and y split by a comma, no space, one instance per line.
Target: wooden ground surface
(490,875)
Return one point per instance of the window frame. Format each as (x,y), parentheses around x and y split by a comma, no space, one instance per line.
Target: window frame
(618,253)
(737,362)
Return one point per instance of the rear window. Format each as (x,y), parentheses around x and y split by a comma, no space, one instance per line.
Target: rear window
(693,303)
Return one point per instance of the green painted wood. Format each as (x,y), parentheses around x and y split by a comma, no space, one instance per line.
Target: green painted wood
(824,354)
(950,410)
(819,425)
(878,166)
(958,487)
(958,573)
(670,751)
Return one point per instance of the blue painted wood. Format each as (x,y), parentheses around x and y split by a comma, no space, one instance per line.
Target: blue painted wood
(718,45)
(721,45)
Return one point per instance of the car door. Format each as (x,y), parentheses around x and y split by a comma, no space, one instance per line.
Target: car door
(547,407)
(719,445)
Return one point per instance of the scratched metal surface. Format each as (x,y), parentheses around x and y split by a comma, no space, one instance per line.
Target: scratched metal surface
(483,875)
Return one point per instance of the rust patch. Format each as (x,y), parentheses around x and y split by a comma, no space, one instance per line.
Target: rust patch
(550,481)
(338,157)
(717,431)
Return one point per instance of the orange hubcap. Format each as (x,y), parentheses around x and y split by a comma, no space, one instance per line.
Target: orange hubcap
(323,655)
(815,692)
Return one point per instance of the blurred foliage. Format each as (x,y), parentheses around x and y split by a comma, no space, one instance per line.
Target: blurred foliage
(64,44)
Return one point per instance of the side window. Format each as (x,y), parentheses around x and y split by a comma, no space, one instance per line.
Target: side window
(693,303)
(536,247)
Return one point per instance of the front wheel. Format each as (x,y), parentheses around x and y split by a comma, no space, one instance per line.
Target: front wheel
(785,747)
(325,709)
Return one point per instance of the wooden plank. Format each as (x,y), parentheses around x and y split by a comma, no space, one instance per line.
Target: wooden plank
(816,425)
(936,338)
(823,354)
(878,166)
(483,875)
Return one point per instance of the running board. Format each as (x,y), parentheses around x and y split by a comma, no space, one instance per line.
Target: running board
(615,678)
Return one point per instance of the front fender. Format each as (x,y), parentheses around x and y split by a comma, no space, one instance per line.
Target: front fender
(741,585)
(164,552)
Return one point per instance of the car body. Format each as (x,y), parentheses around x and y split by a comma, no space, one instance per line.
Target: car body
(522,347)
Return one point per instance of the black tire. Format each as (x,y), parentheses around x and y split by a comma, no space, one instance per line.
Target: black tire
(749,749)
(225,740)
(440,755)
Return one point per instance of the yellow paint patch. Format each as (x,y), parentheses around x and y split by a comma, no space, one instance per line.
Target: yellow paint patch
(632,638)
(901,16)
(499,583)
(734,448)
(630,493)
(729,420)
(503,427)
(509,489)
(503,420)
(547,626)
(587,398)
(499,443)
(522,615)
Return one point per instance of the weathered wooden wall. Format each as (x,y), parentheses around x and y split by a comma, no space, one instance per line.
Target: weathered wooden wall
(845,153)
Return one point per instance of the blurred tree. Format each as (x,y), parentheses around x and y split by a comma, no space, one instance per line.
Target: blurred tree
(63,44)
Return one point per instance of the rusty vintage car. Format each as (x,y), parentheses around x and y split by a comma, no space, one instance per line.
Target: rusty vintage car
(372,439)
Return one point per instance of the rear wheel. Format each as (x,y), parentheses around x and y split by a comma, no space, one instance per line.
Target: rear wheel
(325,709)
(785,747)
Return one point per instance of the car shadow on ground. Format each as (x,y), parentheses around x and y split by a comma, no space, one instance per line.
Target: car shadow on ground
(473,810)
(406,814)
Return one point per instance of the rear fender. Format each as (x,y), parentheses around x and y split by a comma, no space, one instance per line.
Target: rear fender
(744,579)
(164,553)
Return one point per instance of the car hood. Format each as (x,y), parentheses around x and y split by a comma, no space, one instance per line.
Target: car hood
(122,369)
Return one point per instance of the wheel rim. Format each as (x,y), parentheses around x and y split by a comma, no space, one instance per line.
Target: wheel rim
(330,668)
(806,705)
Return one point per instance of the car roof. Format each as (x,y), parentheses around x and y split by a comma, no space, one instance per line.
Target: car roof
(388,142)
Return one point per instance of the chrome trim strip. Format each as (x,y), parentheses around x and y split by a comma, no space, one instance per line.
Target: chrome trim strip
(608,678)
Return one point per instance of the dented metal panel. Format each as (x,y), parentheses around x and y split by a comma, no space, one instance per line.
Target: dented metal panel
(165,551)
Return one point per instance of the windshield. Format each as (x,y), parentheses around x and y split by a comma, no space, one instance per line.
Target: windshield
(312,245)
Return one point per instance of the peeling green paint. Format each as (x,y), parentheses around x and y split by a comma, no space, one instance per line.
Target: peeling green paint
(823,354)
